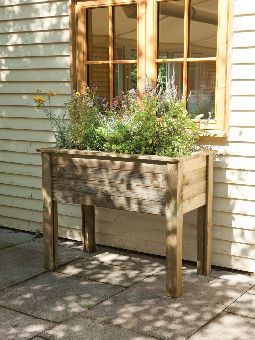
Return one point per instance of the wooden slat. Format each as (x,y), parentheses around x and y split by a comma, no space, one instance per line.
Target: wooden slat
(81,187)
(194,203)
(110,155)
(111,202)
(192,190)
(191,177)
(104,176)
(194,164)
(81,164)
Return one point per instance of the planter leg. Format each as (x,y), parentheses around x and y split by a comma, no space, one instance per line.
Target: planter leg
(88,228)
(201,225)
(51,236)
(208,217)
(50,216)
(174,232)
(174,256)
(204,225)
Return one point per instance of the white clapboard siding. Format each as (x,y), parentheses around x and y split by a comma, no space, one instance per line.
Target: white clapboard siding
(35,63)
(18,135)
(26,25)
(12,111)
(244,23)
(37,50)
(35,53)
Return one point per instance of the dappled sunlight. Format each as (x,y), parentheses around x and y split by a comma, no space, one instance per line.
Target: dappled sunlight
(123,274)
(19,326)
(144,307)
(56,297)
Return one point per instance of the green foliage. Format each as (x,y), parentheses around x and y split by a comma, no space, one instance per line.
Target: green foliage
(156,123)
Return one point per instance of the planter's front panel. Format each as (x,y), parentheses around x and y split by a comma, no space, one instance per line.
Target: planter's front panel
(118,184)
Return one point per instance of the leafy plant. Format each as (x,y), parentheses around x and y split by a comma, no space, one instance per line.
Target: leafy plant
(155,123)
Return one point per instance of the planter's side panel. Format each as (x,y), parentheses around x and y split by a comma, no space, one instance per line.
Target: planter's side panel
(125,185)
(194,183)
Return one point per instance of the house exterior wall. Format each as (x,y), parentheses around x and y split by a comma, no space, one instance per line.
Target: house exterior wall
(34,53)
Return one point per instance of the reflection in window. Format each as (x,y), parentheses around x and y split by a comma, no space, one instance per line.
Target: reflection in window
(125,78)
(125,32)
(171,71)
(98,78)
(170,29)
(201,88)
(98,34)
(203,28)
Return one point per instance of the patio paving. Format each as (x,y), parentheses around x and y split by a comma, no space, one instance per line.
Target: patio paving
(115,294)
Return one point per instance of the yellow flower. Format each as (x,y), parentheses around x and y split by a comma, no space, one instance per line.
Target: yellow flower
(51,93)
(77,94)
(39,100)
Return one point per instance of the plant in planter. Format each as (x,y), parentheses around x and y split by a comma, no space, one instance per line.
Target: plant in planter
(136,155)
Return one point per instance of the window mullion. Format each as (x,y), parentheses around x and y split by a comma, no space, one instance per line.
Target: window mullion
(111,28)
(186,50)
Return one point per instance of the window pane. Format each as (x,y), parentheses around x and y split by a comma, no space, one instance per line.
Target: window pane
(201,88)
(98,35)
(203,28)
(125,32)
(168,72)
(170,29)
(125,78)
(98,78)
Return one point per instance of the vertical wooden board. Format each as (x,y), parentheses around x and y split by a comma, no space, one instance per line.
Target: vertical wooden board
(88,228)
(208,229)
(174,231)
(73,51)
(201,219)
(80,43)
(49,215)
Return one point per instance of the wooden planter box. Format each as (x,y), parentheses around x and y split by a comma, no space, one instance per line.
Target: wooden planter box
(146,184)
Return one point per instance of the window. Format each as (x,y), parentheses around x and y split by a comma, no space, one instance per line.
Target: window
(109,45)
(122,44)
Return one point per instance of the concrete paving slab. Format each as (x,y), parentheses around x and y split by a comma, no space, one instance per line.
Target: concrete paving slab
(144,308)
(252,290)
(4,244)
(235,277)
(145,263)
(14,325)
(25,260)
(54,296)
(98,271)
(14,237)
(245,306)
(228,327)
(80,328)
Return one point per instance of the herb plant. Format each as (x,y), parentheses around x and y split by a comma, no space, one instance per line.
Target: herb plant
(154,123)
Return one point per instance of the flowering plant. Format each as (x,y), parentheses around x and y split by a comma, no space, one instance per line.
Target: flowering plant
(156,123)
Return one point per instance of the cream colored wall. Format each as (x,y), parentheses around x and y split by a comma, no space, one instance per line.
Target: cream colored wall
(35,53)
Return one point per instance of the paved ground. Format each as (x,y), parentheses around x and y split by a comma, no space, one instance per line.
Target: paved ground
(113,295)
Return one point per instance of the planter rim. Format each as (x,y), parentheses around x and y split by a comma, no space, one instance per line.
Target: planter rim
(80,153)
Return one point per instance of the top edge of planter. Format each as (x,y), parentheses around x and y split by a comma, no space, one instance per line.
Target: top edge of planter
(114,156)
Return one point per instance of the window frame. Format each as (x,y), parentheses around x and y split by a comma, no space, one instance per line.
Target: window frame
(147,52)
